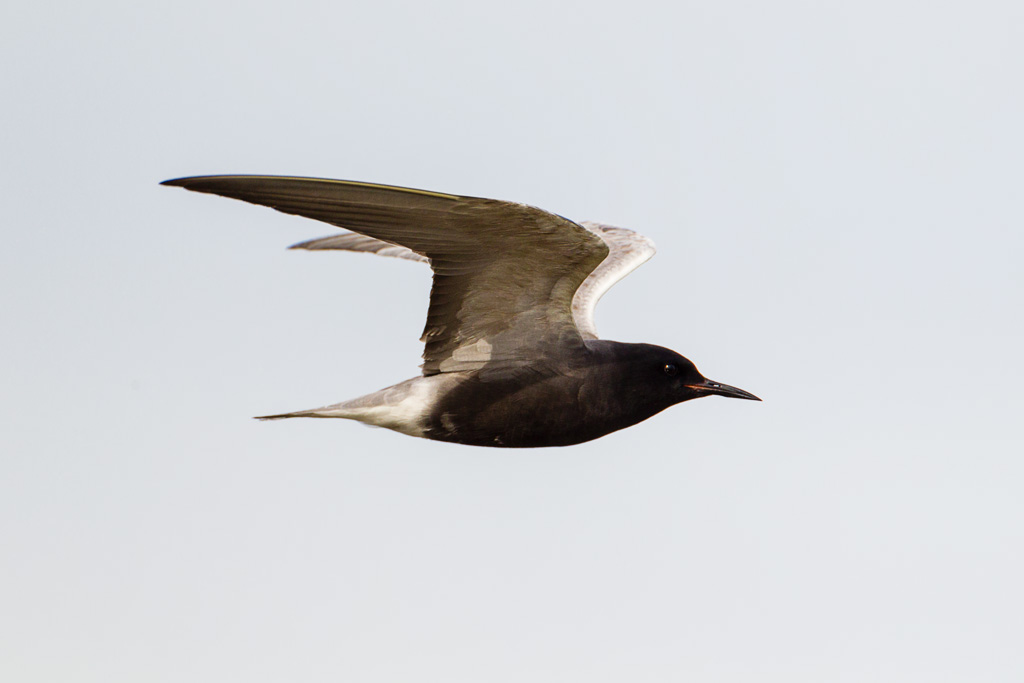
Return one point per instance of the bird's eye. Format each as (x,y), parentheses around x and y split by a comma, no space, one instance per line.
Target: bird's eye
(670,370)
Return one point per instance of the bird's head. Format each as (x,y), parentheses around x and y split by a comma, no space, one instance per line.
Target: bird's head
(677,379)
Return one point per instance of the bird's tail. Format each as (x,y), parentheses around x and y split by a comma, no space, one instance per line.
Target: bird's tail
(298,413)
(403,407)
(347,409)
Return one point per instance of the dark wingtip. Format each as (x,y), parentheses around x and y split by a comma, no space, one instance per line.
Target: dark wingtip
(192,181)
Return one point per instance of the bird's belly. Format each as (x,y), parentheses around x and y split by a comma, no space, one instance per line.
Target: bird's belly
(514,415)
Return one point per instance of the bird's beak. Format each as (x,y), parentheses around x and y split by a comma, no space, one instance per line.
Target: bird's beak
(710,387)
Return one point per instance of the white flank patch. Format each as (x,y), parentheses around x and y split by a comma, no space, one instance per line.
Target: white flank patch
(407,415)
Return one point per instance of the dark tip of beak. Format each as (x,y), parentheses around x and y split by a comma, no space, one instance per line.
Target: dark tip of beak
(711,387)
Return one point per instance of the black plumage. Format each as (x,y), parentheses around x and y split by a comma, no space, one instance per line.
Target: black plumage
(511,354)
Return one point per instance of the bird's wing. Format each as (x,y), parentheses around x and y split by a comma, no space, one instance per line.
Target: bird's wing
(353,241)
(504,274)
(627,251)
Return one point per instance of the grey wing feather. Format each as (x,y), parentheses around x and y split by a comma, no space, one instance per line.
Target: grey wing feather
(627,251)
(504,274)
(351,241)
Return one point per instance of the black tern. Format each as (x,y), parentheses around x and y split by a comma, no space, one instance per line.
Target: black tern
(512,357)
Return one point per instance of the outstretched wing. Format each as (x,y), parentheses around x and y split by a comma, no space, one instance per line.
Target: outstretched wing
(504,274)
(627,251)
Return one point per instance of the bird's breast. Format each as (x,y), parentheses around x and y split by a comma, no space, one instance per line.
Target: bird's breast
(527,409)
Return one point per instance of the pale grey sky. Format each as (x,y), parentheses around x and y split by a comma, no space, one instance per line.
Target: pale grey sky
(835,190)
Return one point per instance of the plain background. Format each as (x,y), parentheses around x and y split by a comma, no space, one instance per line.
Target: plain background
(835,189)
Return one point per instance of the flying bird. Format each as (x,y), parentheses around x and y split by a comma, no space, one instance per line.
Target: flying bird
(512,357)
